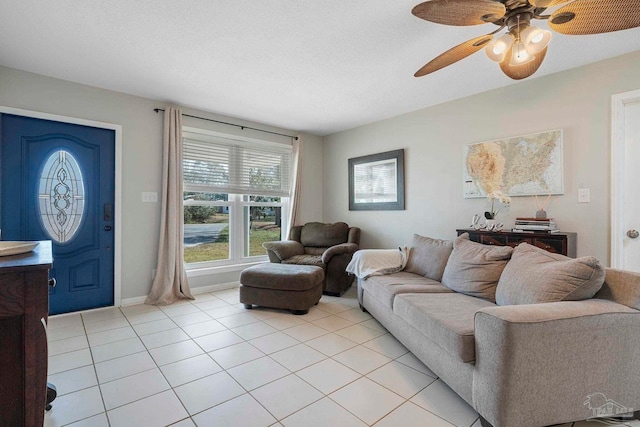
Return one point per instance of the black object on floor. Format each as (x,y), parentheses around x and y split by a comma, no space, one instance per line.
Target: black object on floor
(52,392)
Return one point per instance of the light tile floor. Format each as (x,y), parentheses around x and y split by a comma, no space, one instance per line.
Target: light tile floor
(211,362)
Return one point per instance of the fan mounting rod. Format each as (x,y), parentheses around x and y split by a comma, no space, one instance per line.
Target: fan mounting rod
(518,21)
(531,11)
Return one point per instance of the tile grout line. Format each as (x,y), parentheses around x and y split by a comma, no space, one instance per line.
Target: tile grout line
(325,356)
(249,392)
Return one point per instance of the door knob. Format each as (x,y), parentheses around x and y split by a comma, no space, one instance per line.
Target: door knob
(633,234)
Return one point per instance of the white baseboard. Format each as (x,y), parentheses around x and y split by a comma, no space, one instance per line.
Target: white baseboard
(132,301)
(214,288)
(194,291)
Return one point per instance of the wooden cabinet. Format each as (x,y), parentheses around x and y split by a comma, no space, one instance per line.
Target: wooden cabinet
(560,243)
(24,306)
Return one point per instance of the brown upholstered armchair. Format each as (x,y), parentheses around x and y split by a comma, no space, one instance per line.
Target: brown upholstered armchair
(330,246)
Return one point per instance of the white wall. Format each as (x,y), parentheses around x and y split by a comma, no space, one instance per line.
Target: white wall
(142,159)
(311,209)
(577,101)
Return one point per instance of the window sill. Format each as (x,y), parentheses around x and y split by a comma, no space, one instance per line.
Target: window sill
(207,271)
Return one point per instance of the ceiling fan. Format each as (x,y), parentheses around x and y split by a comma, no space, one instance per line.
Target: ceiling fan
(521,50)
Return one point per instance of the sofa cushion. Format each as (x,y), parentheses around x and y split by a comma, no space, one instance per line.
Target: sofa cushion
(474,269)
(385,288)
(305,260)
(319,234)
(445,319)
(428,257)
(536,276)
(311,250)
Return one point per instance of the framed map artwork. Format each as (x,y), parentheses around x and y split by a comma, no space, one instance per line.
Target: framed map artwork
(519,166)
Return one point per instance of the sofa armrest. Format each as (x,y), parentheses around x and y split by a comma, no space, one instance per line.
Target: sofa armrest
(279,251)
(538,364)
(344,248)
(372,262)
(354,235)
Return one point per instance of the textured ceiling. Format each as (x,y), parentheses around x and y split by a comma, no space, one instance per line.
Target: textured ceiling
(318,67)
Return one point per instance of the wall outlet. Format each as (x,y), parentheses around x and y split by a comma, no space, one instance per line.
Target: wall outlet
(150,197)
(584,195)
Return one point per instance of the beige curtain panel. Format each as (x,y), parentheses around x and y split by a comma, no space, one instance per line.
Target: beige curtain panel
(170,283)
(296,184)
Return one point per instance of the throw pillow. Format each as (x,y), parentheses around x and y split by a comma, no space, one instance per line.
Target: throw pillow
(474,269)
(535,276)
(428,256)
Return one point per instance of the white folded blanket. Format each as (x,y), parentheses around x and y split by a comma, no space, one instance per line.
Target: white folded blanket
(376,262)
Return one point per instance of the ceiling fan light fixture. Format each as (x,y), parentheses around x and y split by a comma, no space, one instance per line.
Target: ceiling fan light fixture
(497,50)
(520,55)
(535,39)
(522,50)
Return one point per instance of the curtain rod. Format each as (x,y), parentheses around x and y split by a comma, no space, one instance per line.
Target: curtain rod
(157,110)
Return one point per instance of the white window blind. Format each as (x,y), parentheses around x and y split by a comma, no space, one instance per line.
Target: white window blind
(228,166)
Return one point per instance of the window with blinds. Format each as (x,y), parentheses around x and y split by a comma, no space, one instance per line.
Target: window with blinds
(228,166)
(236,197)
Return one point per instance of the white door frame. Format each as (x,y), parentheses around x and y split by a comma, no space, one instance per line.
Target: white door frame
(618,137)
(117,256)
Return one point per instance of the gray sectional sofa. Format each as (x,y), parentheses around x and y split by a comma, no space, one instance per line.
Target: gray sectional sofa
(526,337)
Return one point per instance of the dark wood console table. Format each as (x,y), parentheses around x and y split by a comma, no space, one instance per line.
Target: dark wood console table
(561,243)
(24,307)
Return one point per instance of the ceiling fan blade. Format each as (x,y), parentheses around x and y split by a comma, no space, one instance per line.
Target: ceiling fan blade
(547,3)
(596,16)
(454,54)
(460,12)
(522,71)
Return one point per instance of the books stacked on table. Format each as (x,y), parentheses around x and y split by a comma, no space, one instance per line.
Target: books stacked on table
(535,225)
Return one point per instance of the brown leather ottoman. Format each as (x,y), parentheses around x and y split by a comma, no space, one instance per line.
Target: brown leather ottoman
(287,286)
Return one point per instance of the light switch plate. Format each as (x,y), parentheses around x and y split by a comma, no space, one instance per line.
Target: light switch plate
(150,197)
(584,195)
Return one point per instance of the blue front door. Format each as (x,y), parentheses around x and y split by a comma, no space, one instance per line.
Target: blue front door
(58,184)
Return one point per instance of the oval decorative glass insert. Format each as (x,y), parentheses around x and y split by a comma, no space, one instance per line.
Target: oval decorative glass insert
(61,196)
